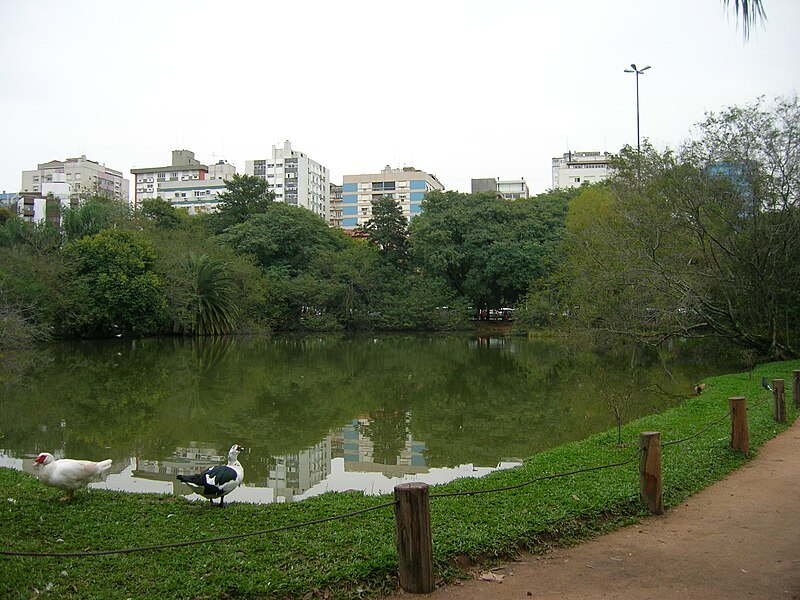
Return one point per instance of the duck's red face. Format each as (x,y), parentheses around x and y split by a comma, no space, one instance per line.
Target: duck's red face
(40,459)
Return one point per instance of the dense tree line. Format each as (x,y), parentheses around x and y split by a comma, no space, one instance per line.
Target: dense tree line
(705,242)
(258,265)
(699,241)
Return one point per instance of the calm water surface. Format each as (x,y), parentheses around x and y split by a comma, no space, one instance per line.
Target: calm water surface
(322,413)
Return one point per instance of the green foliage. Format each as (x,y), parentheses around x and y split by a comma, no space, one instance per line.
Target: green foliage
(489,250)
(284,237)
(94,214)
(538,309)
(161,212)
(31,277)
(112,285)
(706,242)
(213,304)
(19,326)
(174,246)
(245,196)
(38,238)
(387,229)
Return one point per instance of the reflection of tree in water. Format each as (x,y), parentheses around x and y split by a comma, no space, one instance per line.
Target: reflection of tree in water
(280,396)
(20,368)
(388,430)
(209,351)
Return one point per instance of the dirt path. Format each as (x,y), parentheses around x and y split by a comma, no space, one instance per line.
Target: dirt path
(739,538)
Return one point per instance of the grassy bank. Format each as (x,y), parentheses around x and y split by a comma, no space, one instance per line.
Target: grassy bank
(355,557)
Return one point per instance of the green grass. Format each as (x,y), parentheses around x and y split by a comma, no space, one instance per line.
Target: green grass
(355,557)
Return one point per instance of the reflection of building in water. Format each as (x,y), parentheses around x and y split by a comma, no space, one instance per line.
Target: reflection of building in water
(183,461)
(488,341)
(358,451)
(293,474)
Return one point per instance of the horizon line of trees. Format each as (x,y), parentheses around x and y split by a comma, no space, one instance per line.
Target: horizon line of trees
(699,241)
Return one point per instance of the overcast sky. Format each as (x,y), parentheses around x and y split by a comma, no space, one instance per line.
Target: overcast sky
(461,89)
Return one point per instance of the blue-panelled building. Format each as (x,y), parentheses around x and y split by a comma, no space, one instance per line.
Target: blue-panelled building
(407,185)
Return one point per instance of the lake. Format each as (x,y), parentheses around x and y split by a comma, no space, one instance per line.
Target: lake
(324,413)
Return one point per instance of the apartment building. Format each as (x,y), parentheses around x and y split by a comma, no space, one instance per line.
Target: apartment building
(407,185)
(573,169)
(149,180)
(294,178)
(81,175)
(511,189)
(335,206)
(199,195)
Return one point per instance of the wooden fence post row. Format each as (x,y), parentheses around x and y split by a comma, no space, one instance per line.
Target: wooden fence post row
(650,485)
(412,508)
(412,519)
(740,437)
(796,388)
(779,400)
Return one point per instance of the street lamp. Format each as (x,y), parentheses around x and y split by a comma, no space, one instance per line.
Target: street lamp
(638,72)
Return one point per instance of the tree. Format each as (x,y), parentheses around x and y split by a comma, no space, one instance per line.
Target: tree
(20,325)
(173,249)
(112,285)
(283,236)
(38,238)
(706,243)
(388,229)
(161,212)
(244,196)
(94,214)
(213,306)
(489,250)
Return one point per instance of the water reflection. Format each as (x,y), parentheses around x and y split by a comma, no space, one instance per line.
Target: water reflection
(323,413)
(343,461)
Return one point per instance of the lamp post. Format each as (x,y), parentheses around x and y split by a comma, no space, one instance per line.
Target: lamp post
(638,72)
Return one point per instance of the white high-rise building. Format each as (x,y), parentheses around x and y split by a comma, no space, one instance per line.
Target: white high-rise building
(573,169)
(294,179)
(80,176)
(407,185)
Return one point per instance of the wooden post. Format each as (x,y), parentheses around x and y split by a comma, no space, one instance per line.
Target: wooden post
(413,537)
(780,400)
(796,388)
(740,438)
(650,486)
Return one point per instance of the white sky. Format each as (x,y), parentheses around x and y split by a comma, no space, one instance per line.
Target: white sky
(461,89)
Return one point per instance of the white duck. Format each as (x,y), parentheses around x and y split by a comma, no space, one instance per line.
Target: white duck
(68,474)
(219,481)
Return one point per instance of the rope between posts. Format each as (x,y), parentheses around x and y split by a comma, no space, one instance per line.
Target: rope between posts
(703,430)
(542,478)
(354,513)
(195,542)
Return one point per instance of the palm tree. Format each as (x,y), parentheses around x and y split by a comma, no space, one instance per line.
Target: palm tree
(751,11)
(214,310)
